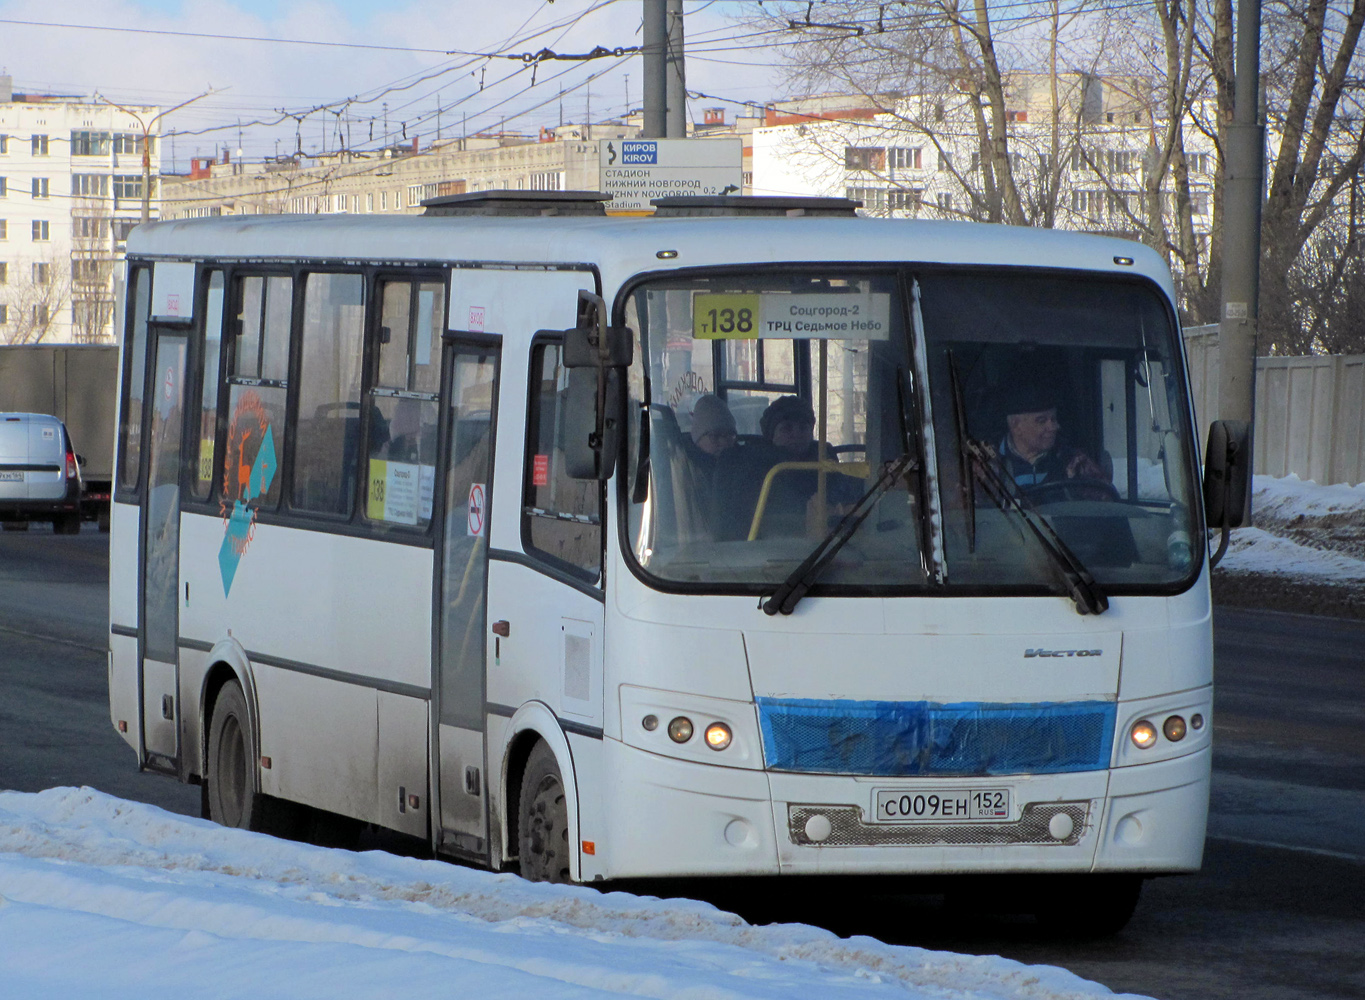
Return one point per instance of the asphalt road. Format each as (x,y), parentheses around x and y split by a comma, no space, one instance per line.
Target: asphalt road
(1278,913)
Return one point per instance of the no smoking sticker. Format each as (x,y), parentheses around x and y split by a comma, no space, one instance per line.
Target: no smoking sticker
(478,510)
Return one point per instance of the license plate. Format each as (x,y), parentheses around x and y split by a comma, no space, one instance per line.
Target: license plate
(11,477)
(946,805)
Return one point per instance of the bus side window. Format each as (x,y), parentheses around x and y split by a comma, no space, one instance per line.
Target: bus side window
(257,387)
(130,447)
(403,408)
(327,439)
(201,484)
(561,517)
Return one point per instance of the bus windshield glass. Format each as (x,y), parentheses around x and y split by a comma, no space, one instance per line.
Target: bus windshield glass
(776,402)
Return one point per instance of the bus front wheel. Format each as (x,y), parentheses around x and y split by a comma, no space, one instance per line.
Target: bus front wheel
(543,828)
(231,784)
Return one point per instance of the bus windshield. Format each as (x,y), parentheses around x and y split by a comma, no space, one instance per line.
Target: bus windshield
(770,405)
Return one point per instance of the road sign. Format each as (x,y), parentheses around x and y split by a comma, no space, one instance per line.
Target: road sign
(635,170)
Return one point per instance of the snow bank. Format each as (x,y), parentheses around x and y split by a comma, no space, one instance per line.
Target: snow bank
(101,897)
(1303,530)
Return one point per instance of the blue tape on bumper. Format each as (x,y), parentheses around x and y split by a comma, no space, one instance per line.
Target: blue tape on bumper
(905,738)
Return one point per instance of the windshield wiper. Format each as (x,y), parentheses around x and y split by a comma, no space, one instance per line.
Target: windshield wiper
(790,591)
(1084,590)
(976,460)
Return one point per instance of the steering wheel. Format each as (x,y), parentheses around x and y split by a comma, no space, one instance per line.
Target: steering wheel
(1076,488)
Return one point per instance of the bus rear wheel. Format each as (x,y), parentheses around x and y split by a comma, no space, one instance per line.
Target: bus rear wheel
(543,827)
(231,781)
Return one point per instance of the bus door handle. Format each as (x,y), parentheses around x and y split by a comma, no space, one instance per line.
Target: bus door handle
(502,628)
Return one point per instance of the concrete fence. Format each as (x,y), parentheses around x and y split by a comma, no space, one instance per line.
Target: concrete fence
(1310,411)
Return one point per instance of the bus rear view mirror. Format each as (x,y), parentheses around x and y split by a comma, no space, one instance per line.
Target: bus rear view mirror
(1227,473)
(591,421)
(592,343)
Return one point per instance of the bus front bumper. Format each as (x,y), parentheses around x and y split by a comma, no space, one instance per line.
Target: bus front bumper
(676,817)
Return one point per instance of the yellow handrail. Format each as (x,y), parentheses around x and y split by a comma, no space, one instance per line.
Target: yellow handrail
(859,470)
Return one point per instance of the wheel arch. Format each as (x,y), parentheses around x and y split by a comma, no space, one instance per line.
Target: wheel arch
(531,724)
(228,663)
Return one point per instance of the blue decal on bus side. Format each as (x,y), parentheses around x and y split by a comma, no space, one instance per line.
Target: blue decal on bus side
(239,524)
(898,738)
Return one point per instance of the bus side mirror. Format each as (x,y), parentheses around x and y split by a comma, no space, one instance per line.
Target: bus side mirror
(596,356)
(1227,473)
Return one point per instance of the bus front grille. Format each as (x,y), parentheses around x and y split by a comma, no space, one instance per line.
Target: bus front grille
(849,830)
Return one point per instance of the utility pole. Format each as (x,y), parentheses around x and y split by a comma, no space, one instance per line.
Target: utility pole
(147,125)
(665,100)
(1244,182)
(675,85)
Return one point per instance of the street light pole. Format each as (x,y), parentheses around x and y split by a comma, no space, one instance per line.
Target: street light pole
(146,125)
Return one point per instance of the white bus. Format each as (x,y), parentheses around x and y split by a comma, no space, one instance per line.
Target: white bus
(689,545)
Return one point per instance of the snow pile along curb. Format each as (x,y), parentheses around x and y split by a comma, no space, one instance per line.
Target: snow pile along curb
(104,897)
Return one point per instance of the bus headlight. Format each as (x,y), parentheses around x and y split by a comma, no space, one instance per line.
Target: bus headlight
(1174,728)
(718,736)
(1143,735)
(680,729)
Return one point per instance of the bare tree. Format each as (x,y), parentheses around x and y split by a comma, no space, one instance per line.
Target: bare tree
(39,288)
(93,263)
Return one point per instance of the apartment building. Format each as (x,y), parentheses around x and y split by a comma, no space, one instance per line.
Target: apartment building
(399,178)
(920,155)
(71,188)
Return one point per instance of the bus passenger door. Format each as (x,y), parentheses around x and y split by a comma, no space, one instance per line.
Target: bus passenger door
(160,563)
(460,616)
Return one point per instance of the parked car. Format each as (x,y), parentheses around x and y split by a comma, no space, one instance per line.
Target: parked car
(40,473)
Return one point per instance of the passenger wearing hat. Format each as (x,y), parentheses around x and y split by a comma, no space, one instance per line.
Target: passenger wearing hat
(713,425)
(1029,449)
(789,425)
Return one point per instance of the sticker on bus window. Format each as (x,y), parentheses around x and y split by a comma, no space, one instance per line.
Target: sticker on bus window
(823,316)
(401,488)
(540,470)
(478,510)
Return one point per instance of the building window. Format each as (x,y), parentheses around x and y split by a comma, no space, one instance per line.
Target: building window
(552,180)
(131,142)
(90,185)
(4,229)
(945,201)
(40,230)
(907,158)
(1198,163)
(945,160)
(1118,161)
(40,189)
(4,143)
(39,145)
(86,143)
(4,314)
(369,201)
(905,199)
(1199,202)
(864,158)
(1085,202)
(414,194)
(40,314)
(128,186)
(121,228)
(42,273)
(383,201)
(4,273)
(4,187)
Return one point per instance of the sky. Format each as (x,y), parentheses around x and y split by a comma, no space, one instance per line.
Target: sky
(101,897)
(423,54)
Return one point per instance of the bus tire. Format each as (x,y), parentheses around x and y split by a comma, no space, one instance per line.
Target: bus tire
(1089,907)
(231,782)
(543,827)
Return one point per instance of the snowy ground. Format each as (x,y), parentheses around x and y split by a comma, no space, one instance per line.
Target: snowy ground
(104,898)
(1302,531)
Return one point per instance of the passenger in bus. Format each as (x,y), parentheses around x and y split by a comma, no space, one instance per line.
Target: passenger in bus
(1029,450)
(788,426)
(713,429)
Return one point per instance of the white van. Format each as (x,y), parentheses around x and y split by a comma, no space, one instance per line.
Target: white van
(40,475)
